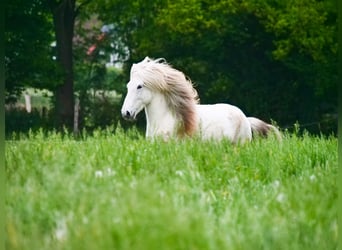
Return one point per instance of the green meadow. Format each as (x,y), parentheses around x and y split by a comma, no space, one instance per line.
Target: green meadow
(118,190)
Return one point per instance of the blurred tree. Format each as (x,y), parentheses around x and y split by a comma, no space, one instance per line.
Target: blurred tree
(28,48)
(64,13)
(274,59)
(271,58)
(34,26)
(98,82)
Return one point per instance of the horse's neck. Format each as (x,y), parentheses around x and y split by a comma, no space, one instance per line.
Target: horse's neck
(160,119)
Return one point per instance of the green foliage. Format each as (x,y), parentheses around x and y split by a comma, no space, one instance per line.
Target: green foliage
(308,27)
(99,90)
(115,190)
(28,55)
(274,59)
(98,86)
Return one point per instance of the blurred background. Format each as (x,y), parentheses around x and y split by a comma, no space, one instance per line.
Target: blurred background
(67,62)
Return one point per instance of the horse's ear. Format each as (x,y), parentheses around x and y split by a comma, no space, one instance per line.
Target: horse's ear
(147,59)
(161,60)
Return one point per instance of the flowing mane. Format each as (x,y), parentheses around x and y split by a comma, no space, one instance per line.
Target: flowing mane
(177,89)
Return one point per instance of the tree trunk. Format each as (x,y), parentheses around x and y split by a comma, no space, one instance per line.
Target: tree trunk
(64,18)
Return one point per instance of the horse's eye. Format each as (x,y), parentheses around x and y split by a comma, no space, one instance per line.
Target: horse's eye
(139,87)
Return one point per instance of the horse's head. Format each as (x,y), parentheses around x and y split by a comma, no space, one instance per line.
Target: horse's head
(154,79)
(138,96)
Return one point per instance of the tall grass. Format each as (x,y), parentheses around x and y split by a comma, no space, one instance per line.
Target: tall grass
(121,191)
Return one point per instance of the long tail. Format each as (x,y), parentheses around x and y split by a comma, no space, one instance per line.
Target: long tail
(263,129)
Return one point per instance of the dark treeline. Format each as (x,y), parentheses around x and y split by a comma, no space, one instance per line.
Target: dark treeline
(276,60)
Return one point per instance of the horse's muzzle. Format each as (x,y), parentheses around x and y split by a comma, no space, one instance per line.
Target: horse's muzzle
(127,115)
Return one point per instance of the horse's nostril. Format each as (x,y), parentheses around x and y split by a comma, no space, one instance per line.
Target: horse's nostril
(127,115)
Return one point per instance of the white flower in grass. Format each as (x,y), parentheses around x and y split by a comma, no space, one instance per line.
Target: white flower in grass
(103,173)
(313,177)
(110,172)
(179,173)
(281,197)
(61,230)
(276,183)
(98,174)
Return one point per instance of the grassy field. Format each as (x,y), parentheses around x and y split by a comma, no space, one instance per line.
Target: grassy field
(115,190)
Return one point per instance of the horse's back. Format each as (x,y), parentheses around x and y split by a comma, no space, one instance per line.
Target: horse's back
(223,120)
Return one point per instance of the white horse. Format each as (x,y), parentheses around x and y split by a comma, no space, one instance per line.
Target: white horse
(172,109)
